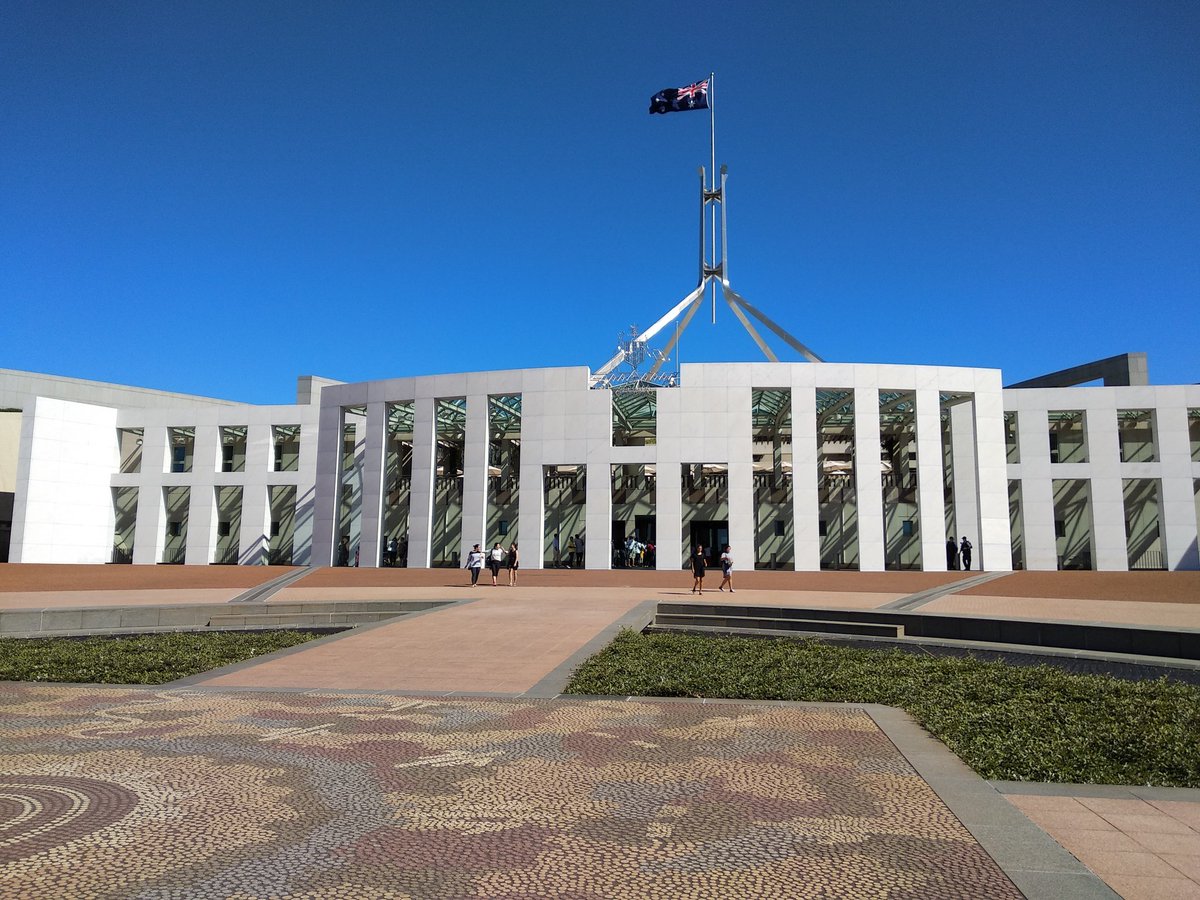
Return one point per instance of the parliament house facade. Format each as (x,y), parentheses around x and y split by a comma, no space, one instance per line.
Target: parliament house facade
(797,466)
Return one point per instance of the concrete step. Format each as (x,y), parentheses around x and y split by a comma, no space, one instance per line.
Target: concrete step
(777,623)
(282,620)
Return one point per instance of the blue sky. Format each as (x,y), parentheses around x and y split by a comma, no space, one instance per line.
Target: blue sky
(216,197)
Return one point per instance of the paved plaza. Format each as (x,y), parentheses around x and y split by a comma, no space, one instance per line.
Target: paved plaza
(198,794)
(433,756)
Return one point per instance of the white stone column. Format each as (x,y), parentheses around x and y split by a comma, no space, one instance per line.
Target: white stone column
(327,488)
(475,470)
(150,532)
(254,535)
(1109,542)
(374,447)
(993,549)
(531,507)
(201,525)
(420,509)
(669,550)
(597,537)
(739,441)
(931,500)
(1177,511)
(1037,490)
(806,511)
(589,436)
(868,477)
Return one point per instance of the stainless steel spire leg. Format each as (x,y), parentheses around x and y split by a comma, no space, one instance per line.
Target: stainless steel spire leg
(699,297)
(791,341)
(762,345)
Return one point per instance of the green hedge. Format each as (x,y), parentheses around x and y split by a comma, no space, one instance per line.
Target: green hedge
(142,659)
(1007,722)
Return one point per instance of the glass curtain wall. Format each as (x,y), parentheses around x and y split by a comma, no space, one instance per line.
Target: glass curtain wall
(633,523)
(948,487)
(504,468)
(176,501)
(835,479)
(129,440)
(705,495)
(635,417)
(774,533)
(397,480)
(125,522)
(450,444)
(898,458)
(947,403)
(1016,524)
(1135,430)
(565,502)
(233,448)
(354,432)
(1073,523)
(1068,436)
(182,444)
(1012,450)
(280,548)
(286,441)
(229,525)
(1143,531)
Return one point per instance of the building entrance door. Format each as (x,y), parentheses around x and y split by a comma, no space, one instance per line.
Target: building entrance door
(712,536)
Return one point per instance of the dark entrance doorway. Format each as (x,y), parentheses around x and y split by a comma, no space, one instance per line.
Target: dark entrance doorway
(712,536)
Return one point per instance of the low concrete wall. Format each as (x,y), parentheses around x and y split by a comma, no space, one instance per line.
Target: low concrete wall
(206,616)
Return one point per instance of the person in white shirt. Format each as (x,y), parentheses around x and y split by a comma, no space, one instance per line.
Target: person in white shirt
(495,558)
(475,564)
(726,569)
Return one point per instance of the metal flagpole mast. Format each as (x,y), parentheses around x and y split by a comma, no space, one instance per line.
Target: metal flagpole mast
(712,146)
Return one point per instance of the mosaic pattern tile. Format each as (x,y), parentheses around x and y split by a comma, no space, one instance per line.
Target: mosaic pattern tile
(163,794)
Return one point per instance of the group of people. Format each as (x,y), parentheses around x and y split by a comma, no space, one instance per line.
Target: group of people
(957,552)
(575,555)
(343,552)
(633,553)
(395,552)
(494,559)
(700,565)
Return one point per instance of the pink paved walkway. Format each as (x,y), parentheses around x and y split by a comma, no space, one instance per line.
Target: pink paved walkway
(1143,849)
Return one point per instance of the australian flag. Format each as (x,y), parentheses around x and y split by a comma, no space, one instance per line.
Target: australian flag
(694,96)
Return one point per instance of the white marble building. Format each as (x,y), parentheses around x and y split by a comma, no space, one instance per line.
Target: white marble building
(801,466)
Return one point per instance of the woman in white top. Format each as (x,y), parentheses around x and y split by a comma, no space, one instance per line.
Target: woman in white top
(495,558)
(726,569)
(475,564)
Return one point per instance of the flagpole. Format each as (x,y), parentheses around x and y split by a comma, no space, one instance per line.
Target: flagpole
(712,146)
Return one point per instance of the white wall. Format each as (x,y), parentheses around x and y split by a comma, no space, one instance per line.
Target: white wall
(64,508)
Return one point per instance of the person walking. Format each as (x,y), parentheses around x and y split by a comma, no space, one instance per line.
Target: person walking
(570,551)
(951,555)
(557,551)
(475,564)
(343,551)
(698,570)
(964,550)
(495,559)
(726,569)
(514,563)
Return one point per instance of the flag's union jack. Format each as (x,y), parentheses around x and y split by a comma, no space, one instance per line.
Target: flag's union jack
(689,93)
